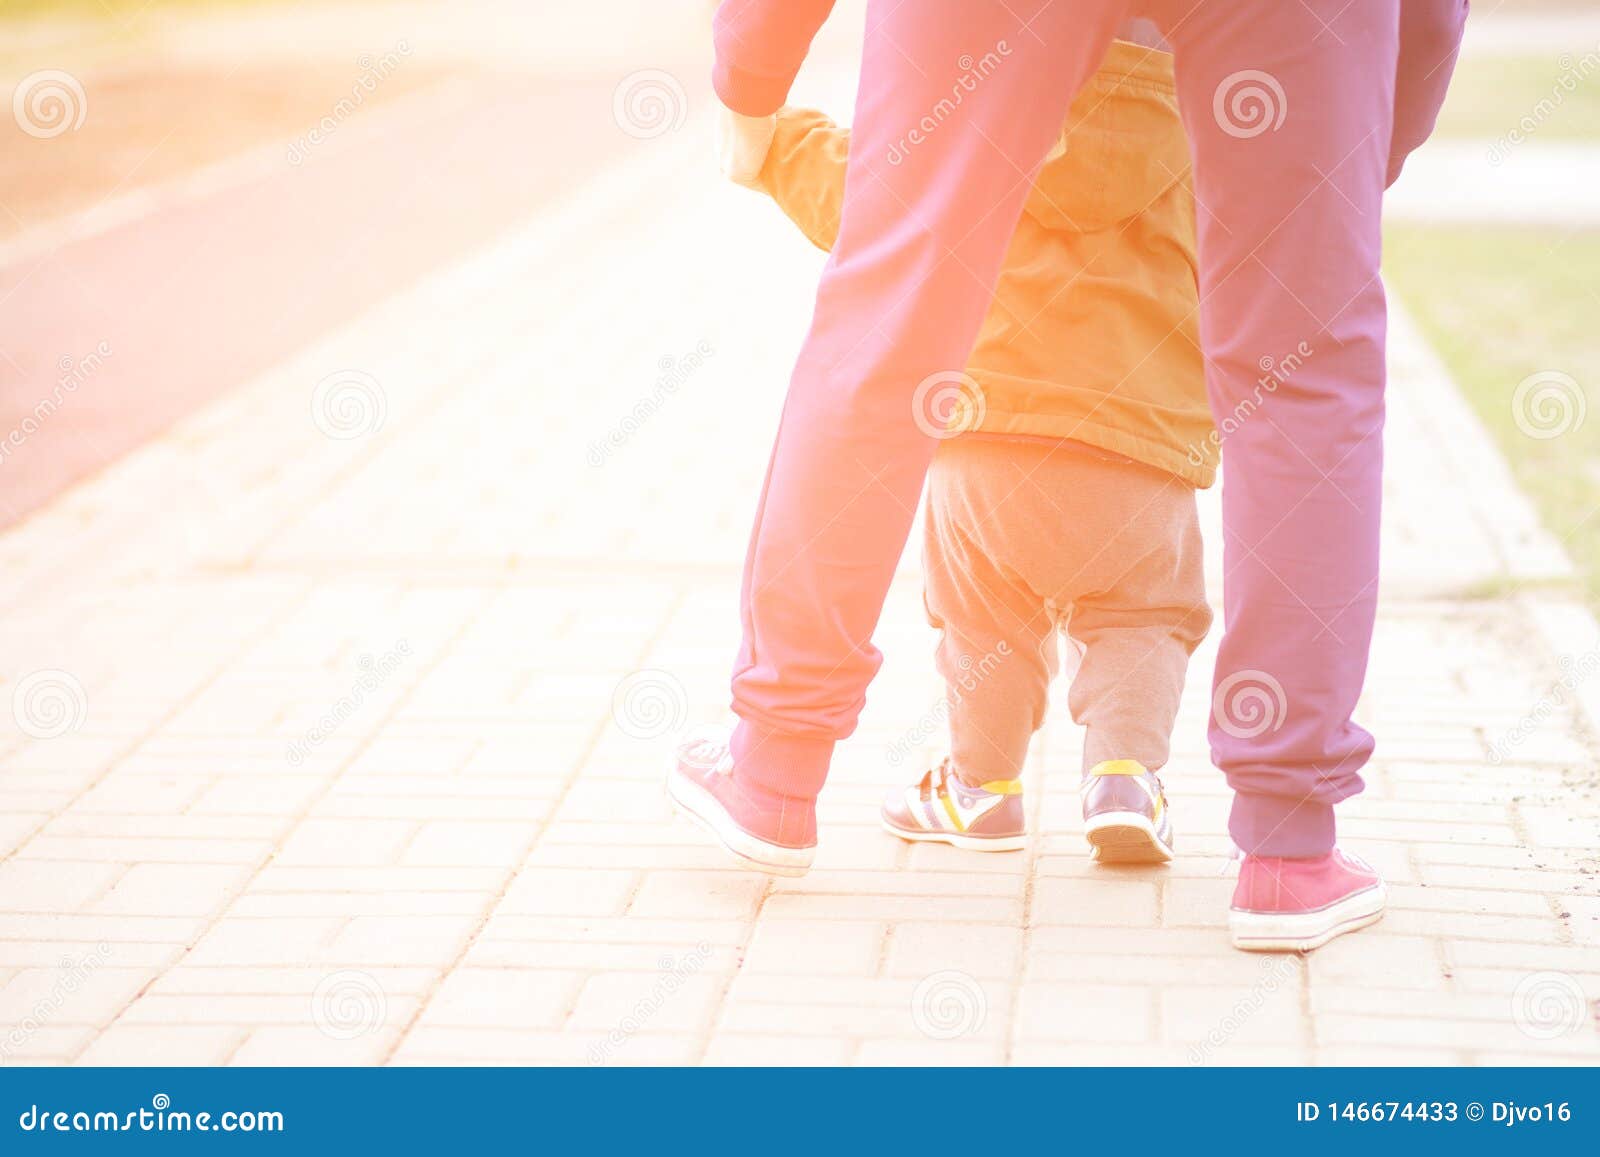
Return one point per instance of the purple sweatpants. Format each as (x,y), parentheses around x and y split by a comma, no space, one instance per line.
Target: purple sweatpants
(1298,113)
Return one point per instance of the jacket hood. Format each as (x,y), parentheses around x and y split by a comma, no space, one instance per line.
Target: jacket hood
(1124,145)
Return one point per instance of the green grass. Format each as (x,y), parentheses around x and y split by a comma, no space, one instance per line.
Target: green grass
(112,11)
(1500,305)
(96,33)
(1558,94)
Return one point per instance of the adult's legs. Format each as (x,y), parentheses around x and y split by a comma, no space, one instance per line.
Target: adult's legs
(1430,39)
(957,104)
(1289,108)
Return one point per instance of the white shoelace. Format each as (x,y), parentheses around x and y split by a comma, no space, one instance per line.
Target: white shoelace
(708,751)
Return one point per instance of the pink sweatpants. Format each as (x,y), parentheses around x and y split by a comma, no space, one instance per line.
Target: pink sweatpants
(1291,110)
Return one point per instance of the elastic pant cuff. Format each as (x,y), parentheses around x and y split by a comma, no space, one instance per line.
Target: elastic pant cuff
(1271,825)
(749,93)
(791,765)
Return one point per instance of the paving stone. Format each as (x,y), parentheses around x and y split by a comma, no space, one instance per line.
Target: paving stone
(479,854)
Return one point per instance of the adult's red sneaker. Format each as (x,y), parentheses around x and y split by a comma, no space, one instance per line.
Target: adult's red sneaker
(771,833)
(1284,905)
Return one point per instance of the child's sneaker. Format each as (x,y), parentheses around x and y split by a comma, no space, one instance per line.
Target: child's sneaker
(1286,905)
(766,831)
(1125,814)
(941,808)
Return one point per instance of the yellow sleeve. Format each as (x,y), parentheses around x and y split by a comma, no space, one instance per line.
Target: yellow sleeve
(804,172)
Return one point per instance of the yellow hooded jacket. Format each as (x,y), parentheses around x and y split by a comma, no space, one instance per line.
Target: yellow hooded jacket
(1093,334)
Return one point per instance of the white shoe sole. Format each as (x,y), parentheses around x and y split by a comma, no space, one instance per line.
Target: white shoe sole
(1125,838)
(1303,931)
(691,800)
(957,840)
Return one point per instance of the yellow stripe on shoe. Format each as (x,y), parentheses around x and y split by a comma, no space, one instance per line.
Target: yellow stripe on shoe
(1003,786)
(950,809)
(1119,767)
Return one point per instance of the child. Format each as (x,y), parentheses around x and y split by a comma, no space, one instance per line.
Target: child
(1068,498)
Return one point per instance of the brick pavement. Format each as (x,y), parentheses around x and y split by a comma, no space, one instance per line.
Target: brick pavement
(333,749)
